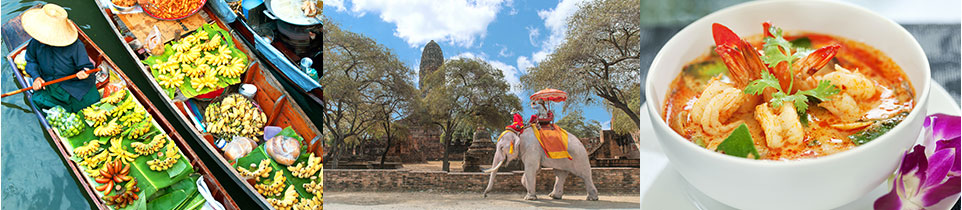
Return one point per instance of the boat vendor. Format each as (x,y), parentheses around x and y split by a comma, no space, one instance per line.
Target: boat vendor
(55,52)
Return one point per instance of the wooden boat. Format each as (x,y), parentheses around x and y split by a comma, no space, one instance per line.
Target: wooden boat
(14,36)
(274,100)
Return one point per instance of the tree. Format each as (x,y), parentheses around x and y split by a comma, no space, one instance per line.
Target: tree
(575,123)
(363,79)
(467,93)
(622,123)
(599,57)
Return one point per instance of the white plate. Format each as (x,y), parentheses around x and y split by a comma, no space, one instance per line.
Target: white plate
(663,188)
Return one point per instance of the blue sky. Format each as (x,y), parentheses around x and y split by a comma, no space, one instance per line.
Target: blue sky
(511,35)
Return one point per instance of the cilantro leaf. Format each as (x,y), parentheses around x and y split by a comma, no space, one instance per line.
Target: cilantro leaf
(824,90)
(768,80)
(739,143)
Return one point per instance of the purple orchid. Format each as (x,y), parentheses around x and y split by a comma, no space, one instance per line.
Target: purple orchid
(927,177)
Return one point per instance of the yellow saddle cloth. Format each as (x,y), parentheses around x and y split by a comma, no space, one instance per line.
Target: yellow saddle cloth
(554,142)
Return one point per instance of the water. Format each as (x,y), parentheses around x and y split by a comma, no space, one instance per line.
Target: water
(34,175)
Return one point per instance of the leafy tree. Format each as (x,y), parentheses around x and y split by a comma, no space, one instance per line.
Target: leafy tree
(365,84)
(467,93)
(622,123)
(575,123)
(599,58)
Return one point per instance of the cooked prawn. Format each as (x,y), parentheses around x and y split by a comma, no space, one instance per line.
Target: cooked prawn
(780,128)
(854,87)
(715,105)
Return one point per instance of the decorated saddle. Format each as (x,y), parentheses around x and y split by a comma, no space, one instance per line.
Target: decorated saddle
(553,141)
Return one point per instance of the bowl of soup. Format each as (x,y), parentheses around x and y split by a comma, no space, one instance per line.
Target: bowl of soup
(788,104)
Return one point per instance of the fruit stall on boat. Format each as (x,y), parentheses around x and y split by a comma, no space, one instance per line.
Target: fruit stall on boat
(124,152)
(242,115)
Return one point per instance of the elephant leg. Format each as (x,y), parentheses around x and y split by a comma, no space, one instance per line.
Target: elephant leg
(589,184)
(559,184)
(529,177)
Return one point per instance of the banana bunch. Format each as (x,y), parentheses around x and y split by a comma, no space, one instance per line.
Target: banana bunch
(87,149)
(214,43)
(201,35)
(125,106)
(174,80)
(314,187)
(96,159)
(110,129)
(115,97)
(95,114)
(138,131)
(156,143)
(171,156)
(117,151)
(222,58)
(207,81)
(133,118)
(234,69)
(235,116)
(274,188)
(185,56)
(193,72)
(181,47)
(166,67)
(263,170)
(290,198)
(314,203)
(301,171)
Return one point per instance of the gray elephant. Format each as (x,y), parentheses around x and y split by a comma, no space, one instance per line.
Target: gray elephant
(533,157)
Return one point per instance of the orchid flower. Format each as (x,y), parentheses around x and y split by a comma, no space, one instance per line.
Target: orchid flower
(927,177)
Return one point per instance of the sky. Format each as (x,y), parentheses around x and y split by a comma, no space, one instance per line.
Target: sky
(511,35)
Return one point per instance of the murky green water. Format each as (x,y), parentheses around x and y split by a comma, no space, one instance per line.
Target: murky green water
(34,175)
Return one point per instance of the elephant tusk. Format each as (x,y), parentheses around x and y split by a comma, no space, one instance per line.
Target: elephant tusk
(495,168)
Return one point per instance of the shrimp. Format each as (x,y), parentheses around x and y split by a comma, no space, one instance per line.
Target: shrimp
(781,128)
(715,105)
(854,87)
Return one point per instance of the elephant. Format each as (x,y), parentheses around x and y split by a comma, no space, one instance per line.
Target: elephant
(526,146)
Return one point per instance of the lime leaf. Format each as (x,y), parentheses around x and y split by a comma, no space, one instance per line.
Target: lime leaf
(739,143)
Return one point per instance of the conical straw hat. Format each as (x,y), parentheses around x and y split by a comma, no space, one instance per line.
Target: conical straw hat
(49,25)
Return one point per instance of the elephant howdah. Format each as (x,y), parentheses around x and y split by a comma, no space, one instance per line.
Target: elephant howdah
(554,141)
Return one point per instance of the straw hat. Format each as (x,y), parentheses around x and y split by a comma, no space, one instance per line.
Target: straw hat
(49,25)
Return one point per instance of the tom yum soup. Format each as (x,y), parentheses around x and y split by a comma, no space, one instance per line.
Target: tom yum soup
(785,96)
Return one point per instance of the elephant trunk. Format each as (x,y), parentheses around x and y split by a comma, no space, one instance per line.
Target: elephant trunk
(493,171)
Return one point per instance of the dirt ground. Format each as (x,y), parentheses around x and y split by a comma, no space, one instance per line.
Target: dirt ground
(431,200)
(456,166)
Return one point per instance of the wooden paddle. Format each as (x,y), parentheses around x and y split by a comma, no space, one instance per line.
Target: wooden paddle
(91,71)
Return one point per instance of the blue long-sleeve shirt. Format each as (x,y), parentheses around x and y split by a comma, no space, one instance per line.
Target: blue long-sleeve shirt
(50,63)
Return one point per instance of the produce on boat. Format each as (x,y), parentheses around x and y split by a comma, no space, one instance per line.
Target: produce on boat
(198,63)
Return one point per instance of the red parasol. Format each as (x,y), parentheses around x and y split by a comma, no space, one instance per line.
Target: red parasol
(549,94)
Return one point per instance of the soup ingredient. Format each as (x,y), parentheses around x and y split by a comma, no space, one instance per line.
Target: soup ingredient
(128,196)
(304,172)
(739,143)
(855,87)
(284,150)
(877,129)
(780,128)
(109,129)
(235,115)
(112,173)
(309,9)
(274,188)
(824,90)
(263,170)
(155,144)
(287,202)
(89,148)
(170,158)
(715,105)
(926,177)
(239,147)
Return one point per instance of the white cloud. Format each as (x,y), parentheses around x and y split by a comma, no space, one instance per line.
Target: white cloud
(457,22)
(524,63)
(338,5)
(556,21)
(533,34)
(504,51)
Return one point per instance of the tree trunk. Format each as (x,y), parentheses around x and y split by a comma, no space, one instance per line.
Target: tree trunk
(336,153)
(445,165)
(624,107)
(387,130)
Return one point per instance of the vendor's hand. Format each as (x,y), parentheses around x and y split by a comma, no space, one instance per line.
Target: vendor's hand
(37,83)
(82,74)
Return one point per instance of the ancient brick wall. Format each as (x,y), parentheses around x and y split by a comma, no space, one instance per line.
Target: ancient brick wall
(607,180)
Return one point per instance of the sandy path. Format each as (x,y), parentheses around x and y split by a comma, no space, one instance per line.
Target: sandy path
(429,200)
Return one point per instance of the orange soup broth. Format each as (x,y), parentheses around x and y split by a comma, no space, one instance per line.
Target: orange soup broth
(894,96)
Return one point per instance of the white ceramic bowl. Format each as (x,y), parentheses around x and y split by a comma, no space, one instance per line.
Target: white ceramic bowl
(819,183)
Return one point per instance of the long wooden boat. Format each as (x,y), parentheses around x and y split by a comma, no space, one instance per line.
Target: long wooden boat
(14,36)
(273,99)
